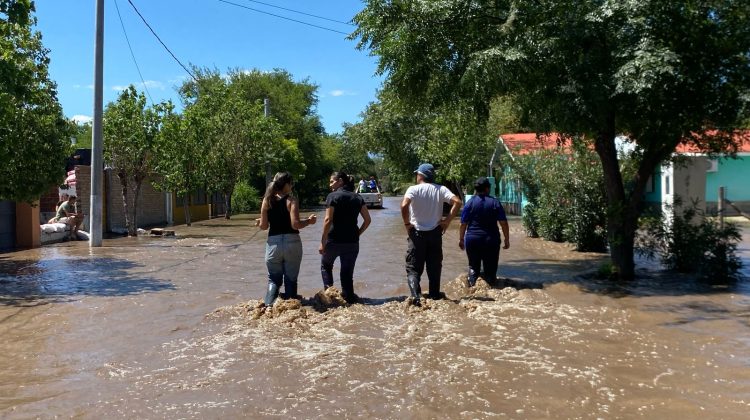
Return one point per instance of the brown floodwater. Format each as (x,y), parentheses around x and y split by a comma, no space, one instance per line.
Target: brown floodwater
(171,328)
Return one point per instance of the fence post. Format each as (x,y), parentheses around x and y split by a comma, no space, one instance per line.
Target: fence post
(720,207)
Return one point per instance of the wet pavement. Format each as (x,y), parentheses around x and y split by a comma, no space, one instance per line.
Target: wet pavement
(169,328)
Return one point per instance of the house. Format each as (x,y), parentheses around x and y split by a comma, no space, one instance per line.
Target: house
(509,189)
(696,177)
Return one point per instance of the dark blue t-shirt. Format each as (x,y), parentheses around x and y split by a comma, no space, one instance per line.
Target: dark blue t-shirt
(346,207)
(481,214)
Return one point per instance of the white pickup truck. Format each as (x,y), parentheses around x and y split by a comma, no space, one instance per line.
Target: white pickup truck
(373,199)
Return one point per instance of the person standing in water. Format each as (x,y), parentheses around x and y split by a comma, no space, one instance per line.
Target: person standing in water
(422,212)
(479,234)
(341,233)
(279,214)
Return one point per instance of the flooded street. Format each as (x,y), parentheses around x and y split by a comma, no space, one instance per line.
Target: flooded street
(167,328)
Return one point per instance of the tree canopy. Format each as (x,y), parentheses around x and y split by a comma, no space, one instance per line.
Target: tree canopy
(34,135)
(659,72)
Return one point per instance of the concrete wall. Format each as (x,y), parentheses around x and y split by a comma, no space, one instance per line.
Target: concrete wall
(688,182)
(734,176)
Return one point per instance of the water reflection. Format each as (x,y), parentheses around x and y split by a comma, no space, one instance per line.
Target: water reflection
(58,278)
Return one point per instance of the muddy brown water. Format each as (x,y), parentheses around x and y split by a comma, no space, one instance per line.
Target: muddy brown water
(169,328)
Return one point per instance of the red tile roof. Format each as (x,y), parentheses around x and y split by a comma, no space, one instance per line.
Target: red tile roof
(741,137)
(525,143)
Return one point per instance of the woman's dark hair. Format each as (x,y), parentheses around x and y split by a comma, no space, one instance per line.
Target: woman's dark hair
(348,179)
(278,183)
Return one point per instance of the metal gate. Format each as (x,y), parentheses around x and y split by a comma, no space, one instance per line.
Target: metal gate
(7,225)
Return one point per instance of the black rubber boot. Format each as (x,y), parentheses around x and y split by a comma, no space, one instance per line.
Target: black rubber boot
(271,294)
(416,291)
(291,290)
(472,278)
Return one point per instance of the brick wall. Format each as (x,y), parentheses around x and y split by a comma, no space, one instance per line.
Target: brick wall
(83,192)
(151,204)
(150,207)
(48,201)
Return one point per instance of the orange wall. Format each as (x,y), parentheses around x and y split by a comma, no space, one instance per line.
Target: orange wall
(28,234)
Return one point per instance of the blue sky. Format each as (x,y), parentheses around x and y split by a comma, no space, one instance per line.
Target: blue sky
(207,33)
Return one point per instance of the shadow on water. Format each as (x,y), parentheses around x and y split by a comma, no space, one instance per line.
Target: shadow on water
(31,282)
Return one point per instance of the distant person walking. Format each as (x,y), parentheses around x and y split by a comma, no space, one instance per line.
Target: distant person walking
(479,234)
(341,233)
(422,212)
(279,214)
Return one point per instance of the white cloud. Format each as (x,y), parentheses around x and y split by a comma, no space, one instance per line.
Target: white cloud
(148,84)
(153,84)
(341,92)
(82,119)
(82,86)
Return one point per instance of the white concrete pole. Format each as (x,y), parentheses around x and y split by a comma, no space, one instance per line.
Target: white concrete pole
(95,210)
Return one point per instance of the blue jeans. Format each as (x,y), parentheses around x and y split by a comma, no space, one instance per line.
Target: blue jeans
(283,258)
(347,252)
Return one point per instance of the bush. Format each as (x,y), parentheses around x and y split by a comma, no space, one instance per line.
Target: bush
(565,189)
(245,198)
(685,246)
(530,221)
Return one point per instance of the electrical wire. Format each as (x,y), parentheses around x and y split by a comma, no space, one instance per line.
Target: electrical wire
(161,42)
(132,54)
(302,13)
(283,17)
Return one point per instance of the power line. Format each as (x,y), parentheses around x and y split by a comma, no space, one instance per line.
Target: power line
(302,13)
(161,42)
(283,17)
(133,54)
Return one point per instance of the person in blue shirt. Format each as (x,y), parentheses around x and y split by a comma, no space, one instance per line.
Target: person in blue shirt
(479,234)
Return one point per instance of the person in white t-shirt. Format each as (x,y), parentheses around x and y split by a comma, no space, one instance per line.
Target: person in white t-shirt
(422,213)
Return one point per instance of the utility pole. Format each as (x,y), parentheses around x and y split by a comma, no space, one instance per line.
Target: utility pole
(267,113)
(95,205)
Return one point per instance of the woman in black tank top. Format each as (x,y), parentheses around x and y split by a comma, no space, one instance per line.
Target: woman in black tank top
(279,214)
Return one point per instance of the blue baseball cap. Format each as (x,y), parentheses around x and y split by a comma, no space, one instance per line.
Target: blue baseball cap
(426,170)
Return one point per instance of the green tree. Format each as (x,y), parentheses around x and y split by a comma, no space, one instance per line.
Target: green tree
(239,138)
(179,153)
(130,132)
(82,134)
(662,72)
(34,135)
(449,136)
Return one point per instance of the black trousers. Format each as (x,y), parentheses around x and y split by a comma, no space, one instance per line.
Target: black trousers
(425,248)
(483,252)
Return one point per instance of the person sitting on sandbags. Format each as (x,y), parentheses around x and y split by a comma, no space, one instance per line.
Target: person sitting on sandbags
(66,213)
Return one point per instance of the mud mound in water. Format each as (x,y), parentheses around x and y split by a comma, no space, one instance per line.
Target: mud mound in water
(459,287)
(283,310)
(329,298)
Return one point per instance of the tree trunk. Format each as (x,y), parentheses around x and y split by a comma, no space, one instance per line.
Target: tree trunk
(124,185)
(186,209)
(621,220)
(134,210)
(228,203)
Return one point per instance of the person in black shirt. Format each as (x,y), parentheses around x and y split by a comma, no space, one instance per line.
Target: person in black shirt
(341,232)
(279,213)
